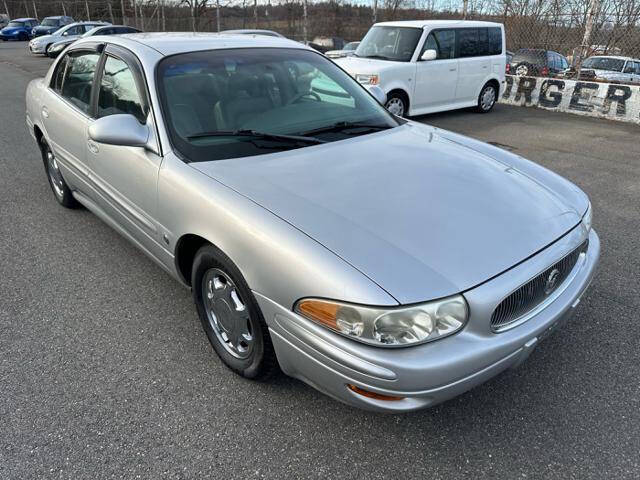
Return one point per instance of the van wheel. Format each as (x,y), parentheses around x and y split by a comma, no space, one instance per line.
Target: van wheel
(396,104)
(487,98)
(230,315)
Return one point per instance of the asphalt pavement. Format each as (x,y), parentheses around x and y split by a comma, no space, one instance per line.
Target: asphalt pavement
(105,371)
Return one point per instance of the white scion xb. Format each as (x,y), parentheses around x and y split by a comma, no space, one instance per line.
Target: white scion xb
(432,65)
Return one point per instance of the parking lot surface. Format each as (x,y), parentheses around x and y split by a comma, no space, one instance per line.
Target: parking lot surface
(105,371)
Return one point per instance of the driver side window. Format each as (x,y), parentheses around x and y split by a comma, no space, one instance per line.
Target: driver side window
(443,42)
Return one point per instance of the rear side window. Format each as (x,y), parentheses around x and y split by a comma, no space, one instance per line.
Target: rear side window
(534,57)
(468,43)
(443,42)
(118,91)
(495,41)
(58,75)
(78,79)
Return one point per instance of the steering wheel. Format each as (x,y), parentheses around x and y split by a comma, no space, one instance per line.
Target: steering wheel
(304,94)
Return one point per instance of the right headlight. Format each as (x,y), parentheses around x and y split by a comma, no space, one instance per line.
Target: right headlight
(587,218)
(396,326)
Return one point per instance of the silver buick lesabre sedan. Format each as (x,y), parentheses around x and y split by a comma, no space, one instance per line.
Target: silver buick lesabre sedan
(389,264)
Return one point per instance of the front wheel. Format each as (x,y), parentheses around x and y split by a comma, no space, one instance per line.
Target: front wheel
(487,98)
(396,104)
(230,315)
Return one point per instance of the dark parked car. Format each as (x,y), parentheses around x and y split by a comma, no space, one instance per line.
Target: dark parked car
(537,63)
(324,44)
(50,25)
(55,49)
(18,29)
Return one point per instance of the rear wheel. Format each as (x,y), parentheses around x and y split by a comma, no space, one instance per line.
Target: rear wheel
(231,316)
(523,70)
(61,190)
(23,37)
(487,98)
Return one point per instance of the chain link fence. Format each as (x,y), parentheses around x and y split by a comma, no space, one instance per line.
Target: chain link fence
(576,29)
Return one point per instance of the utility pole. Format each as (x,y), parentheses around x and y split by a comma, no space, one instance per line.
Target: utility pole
(164,20)
(375,11)
(465,8)
(218,15)
(255,13)
(124,14)
(592,13)
(305,20)
(86,4)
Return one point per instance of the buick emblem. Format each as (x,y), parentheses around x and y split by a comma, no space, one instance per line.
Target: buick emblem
(552,279)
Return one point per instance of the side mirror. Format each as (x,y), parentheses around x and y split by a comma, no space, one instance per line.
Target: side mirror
(378,93)
(123,129)
(430,54)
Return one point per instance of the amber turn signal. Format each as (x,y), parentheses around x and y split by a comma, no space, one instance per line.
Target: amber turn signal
(374,395)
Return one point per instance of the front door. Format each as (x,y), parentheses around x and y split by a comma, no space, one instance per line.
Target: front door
(125,177)
(436,80)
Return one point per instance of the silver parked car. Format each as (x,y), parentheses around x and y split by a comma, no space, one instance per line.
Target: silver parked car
(387,263)
(613,69)
(40,45)
(55,49)
(348,50)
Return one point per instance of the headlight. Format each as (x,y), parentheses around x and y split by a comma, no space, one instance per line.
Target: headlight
(57,48)
(587,218)
(399,326)
(367,79)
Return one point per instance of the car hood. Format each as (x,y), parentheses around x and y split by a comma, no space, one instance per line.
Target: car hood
(422,212)
(353,64)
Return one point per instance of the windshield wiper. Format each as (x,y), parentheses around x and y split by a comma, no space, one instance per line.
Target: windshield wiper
(378,57)
(342,126)
(257,135)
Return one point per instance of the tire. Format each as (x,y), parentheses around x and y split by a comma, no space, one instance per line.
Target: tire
(59,187)
(523,70)
(230,315)
(23,37)
(397,104)
(487,98)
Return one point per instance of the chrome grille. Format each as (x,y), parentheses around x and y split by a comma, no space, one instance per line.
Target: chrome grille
(535,291)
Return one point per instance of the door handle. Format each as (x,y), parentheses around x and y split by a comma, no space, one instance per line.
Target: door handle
(45,112)
(452,69)
(93,148)
(484,66)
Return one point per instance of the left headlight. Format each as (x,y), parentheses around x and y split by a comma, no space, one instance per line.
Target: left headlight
(367,79)
(588,218)
(398,326)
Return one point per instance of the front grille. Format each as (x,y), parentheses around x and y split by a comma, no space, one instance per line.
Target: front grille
(535,291)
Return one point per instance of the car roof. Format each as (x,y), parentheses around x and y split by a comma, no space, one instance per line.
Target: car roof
(182,42)
(56,16)
(615,57)
(438,23)
(23,19)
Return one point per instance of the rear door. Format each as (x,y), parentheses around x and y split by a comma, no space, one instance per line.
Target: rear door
(66,112)
(436,80)
(473,63)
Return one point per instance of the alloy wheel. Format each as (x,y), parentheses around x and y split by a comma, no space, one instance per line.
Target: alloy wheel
(55,176)
(227,313)
(395,105)
(488,98)
(522,70)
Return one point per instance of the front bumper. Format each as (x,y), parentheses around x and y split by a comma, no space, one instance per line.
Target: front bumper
(434,372)
(36,48)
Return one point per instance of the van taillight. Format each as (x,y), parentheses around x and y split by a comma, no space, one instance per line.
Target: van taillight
(508,69)
(545,71)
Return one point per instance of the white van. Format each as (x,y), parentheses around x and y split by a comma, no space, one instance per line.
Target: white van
(432,65)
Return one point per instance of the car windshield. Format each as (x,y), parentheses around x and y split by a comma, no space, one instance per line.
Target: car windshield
(604,63)
(50,22)
(222,104)
(91,32)
(16,24)
(351,46)
(389,43)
